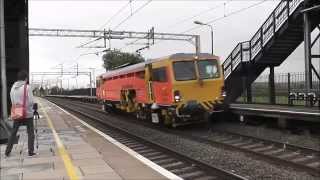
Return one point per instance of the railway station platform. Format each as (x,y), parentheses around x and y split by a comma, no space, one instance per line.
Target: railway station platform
(278,111)
(68,148)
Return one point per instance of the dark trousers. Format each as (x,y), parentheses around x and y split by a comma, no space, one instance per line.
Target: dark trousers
(16,124)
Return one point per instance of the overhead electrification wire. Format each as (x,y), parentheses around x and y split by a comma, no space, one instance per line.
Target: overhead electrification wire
(117,13)
(106,23)
(132,14)
(123,21)
(217,19)
(199,14)
(227,15)
(184,20)
(221,18)
(128,17)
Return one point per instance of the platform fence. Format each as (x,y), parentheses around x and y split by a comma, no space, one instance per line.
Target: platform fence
(284,84)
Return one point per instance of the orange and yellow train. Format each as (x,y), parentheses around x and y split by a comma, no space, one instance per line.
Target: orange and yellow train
(174,90)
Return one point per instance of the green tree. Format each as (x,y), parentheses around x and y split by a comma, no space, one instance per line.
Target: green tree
(116,58)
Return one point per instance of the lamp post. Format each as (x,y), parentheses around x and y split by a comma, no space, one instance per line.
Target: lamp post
(211,27)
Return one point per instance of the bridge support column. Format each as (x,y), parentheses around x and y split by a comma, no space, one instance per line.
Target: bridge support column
(249,94)
(307,53)
(272,91)
(248,90)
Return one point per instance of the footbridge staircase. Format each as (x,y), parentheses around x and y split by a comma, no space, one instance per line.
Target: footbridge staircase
(275,40)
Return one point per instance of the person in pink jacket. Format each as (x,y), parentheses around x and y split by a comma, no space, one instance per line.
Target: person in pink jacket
(16,95)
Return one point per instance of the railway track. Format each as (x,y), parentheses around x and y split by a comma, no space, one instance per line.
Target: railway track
(300,158)
(297,157)
(177,163)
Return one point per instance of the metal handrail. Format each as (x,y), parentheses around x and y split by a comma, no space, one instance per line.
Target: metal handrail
(248,50)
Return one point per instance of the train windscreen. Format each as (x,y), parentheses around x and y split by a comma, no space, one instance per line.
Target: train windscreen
(184,70)
(208,69)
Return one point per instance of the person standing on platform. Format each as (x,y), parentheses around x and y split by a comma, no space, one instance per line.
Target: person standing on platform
(21,111)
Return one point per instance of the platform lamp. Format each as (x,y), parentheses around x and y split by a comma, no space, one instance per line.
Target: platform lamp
(211,27)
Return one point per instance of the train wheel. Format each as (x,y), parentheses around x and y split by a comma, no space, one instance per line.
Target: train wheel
(173,125)
(208,117)
(167,120)
(139,111)
(103,107)
(140,115)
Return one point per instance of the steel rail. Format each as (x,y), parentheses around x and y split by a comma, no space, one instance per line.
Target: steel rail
(211,170)
(269,158)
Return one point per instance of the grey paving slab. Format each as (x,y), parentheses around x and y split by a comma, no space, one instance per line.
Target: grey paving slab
(46,175)
(2,148)
(77,146)
(54,159)
(90,161)
(85,149)
(103,176)
(97,169)
(27,168)
(75,156)
(9,162)
(125,165)
(74,144)
(93,156)
(11,177)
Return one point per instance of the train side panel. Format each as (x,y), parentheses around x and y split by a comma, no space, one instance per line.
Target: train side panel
(176,90)
(111,88)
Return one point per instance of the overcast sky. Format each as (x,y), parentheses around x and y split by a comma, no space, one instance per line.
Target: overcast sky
(164,16)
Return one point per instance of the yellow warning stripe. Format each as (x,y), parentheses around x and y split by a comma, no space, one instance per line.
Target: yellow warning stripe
(205,106)
(62,151)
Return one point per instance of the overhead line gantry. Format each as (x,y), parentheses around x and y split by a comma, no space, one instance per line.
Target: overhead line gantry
(120,35)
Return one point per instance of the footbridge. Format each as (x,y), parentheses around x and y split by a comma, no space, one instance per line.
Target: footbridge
(289,25)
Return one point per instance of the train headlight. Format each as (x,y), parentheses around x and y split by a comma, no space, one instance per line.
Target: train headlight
(177,97)
(223,92)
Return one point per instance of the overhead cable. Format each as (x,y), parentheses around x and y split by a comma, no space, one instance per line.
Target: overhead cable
(184,20)
(132,14)
(117,13)
(227,15)
(198,14)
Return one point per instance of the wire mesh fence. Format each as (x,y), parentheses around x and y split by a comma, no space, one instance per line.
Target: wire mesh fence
(285,83)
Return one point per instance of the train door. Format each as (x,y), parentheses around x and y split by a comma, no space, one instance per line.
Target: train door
(161,86)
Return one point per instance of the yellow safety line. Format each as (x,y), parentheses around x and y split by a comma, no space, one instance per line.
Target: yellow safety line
(62,151)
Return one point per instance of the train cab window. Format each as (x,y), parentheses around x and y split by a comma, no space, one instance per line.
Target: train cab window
(184,70)
(159,74)
(208,69)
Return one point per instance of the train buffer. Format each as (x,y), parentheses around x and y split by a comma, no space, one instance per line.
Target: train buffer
(68,148)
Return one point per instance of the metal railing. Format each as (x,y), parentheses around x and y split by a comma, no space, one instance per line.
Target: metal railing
(248,50)
(285,83)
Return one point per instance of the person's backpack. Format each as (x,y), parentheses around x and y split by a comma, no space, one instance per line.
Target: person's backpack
(18,111)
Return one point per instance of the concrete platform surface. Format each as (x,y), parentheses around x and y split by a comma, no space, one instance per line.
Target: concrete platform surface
(67,149)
